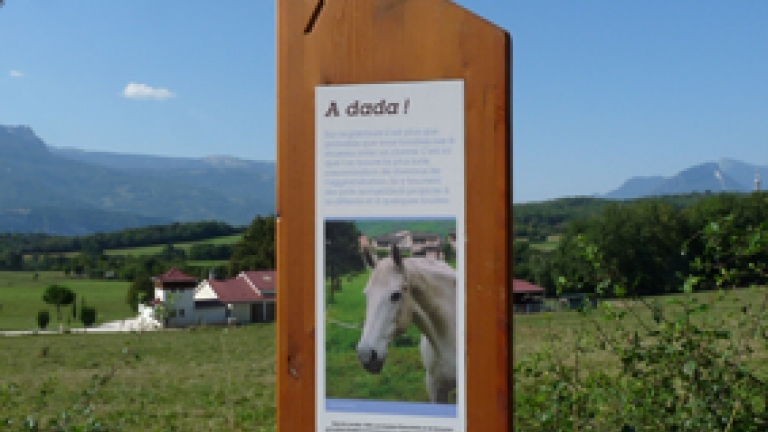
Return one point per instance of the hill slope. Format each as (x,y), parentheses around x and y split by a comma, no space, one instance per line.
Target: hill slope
(734,176)
(34,179)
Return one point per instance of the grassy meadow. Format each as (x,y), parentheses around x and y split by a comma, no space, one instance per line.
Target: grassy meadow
(204,379)
(211,379)
(536,332)
(21,297)
(157,249)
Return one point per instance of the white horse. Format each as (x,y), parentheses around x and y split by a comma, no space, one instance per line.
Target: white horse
(418,290)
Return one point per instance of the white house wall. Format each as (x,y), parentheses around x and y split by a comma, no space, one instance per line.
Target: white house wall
(211,316)
(205,292)
(146,312)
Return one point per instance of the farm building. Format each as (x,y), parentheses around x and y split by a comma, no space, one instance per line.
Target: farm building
(415,243)
(527,297)
(247,298)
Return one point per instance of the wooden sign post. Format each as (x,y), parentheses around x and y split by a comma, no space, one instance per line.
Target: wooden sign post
(393,110)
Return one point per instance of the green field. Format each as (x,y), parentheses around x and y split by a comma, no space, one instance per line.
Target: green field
(210,379)
(215,379)
(157,249)
(534,332)
(373,228)
(21,298)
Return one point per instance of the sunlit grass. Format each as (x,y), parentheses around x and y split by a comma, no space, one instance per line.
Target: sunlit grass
(21,297)
(210,379)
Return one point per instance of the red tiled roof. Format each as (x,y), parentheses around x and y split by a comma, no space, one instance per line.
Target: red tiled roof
(521,286)
(235,290)
(261,280)
(175,275)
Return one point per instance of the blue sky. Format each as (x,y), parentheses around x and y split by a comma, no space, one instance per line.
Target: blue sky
(603,90)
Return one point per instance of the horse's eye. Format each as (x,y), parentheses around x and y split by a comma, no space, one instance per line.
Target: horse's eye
(395,296)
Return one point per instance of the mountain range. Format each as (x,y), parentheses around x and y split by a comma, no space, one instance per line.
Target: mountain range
(72,192)
(68,191)
(726,175)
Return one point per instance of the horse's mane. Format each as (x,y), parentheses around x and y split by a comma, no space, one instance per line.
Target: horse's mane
(431,264)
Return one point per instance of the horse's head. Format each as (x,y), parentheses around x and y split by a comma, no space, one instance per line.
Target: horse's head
(389,308)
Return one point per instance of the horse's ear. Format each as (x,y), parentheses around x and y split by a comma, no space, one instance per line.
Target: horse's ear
(368,258)
(396,257)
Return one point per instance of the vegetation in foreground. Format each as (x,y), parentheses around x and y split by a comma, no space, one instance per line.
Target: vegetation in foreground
(690,363)
(203,379)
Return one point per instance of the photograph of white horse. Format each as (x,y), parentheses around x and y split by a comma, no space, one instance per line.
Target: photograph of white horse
(401,291)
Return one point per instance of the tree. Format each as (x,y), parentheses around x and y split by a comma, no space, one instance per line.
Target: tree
(141,289)
(43,318)
(58,295)
(448,253)
(170,252)
(342,251)
(88,315)
(256,250)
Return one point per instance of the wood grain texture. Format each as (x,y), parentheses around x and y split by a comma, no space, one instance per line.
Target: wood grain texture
(376,41)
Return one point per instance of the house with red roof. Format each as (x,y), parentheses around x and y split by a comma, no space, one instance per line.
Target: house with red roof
(247,298)
(527,297)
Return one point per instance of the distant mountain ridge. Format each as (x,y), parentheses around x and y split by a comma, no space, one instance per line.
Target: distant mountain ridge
(67,191)
(129,162)
(726,175)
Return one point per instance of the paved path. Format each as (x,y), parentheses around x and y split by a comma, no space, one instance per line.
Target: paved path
(126,325)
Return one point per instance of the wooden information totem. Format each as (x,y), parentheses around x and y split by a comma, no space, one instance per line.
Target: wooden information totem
(392,115)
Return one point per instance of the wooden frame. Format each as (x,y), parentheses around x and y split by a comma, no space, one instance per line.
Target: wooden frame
(374,41)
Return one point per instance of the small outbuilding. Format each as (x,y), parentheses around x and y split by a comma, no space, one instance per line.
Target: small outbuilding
(527,297)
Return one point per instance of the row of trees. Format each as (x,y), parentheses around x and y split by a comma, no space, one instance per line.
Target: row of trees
(641,240)
(61,296)
(133,237)
(536,221)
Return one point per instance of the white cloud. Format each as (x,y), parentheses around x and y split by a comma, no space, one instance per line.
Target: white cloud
(16,73)
(142,91)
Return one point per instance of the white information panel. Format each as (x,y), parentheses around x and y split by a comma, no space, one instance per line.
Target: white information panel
(390,188)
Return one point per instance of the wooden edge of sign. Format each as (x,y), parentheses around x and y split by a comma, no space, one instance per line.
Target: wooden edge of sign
(510,237)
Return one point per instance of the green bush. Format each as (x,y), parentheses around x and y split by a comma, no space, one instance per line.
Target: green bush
(666,365)
(43,318)
(88,315)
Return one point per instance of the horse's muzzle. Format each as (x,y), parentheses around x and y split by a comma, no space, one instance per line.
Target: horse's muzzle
(370,360)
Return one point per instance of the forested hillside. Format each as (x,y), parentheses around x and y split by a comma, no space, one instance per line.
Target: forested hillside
(536,221)
(66,193)
(642,239)
(133,237)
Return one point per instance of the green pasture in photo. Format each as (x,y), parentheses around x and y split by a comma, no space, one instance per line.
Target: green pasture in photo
(21,297)
(194,380)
